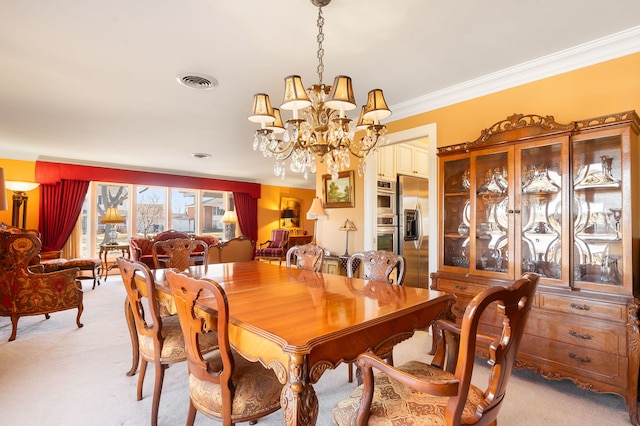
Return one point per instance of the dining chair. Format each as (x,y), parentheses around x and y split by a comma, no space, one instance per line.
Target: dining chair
(222,385)
(160,339)
(306,256)
(421,393)
(378,265)
(179,253)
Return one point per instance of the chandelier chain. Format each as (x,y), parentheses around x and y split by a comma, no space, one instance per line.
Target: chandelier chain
(320,39)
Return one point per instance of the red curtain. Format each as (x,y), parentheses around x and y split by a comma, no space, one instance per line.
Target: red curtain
(247,212)
(60,206)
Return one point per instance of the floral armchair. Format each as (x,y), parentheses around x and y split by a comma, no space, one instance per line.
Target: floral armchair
(28,290)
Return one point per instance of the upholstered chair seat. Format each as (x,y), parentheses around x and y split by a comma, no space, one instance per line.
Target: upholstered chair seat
(173,347)
(401,405)
(257,393)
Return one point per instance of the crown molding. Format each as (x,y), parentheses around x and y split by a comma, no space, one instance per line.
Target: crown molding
(603,49)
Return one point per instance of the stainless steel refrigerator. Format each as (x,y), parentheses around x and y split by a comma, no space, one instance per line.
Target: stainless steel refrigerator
(413,211)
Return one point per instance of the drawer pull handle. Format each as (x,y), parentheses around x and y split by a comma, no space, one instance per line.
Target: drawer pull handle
(581,336)
(580,307)
(460,287)
(577,358)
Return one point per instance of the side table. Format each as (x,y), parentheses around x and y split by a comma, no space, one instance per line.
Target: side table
(338,265)
(104,251)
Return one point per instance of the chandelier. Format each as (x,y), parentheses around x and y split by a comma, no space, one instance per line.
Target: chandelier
(319,126)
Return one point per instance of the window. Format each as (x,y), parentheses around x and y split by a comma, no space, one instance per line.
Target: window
(151,210)
(183,210)
(146,211)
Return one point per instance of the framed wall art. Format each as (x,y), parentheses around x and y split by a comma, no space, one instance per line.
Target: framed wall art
(289,212)
(339,192)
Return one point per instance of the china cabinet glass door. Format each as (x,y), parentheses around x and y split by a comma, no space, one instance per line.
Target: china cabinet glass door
(599,211)
(542,190)
(491,206)
(457,213)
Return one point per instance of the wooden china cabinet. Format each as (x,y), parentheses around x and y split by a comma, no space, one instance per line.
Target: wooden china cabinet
(561,200)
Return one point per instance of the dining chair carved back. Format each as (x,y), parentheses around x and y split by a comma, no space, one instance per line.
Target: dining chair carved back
(222,385)
(306,256)
(426,393)
(378,265)
(180,252)
(160,338)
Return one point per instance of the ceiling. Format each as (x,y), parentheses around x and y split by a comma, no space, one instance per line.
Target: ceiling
(94,81)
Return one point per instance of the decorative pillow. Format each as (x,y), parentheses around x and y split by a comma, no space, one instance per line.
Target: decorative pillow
(276,244)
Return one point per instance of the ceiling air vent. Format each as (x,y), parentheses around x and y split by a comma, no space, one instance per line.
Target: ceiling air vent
(197,81)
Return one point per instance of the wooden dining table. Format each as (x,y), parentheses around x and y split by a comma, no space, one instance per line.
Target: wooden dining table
(300,323)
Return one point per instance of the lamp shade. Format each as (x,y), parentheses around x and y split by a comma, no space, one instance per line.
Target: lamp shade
(348,226)
(341,95)
(288,214)
(262,112)
(316,211)
(276,126)
(112,215)
(3,191)
(18,186)
(229,217)
(376,108)
(295,97)
(363,124)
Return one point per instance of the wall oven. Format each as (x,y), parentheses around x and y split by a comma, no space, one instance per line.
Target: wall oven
(387,237)
(386,197)
(387,233)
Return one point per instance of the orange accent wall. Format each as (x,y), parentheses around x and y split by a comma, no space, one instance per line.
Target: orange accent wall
(269,209)
(21,171)
(600,89)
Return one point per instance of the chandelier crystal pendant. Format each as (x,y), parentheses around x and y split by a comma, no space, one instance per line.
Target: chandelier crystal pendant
(319,127)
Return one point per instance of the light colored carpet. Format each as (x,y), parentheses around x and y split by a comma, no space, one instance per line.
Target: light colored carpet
(57,374)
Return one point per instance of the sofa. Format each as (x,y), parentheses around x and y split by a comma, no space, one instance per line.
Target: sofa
(239,249)
(141,248)
(26,289)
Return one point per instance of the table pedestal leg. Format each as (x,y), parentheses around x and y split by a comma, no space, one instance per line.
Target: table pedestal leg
(135,349)
(298,399)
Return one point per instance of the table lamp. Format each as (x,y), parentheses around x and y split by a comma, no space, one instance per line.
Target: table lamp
(347,226)
(20,199)
(316,212)
(229,219)
(112,217)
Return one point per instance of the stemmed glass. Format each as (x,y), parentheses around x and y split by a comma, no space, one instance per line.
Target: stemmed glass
(617,216)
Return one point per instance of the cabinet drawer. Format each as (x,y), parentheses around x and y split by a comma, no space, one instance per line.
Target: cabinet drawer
(575,361)
(584,307)
(575,330)
(451,286)
(590,334)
